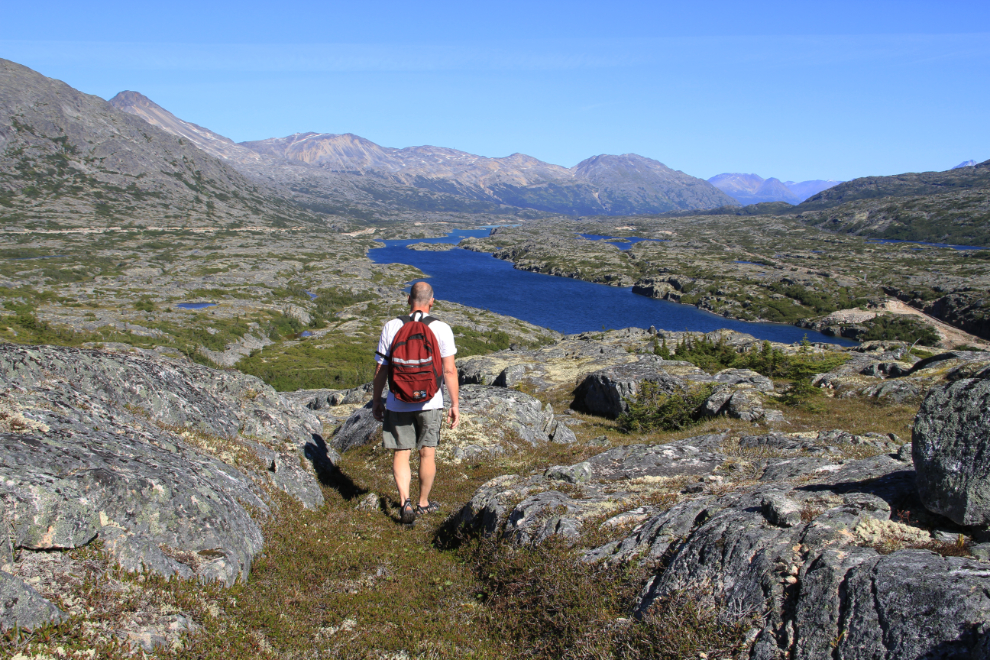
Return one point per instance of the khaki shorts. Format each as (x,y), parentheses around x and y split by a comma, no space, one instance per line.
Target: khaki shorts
(406,430)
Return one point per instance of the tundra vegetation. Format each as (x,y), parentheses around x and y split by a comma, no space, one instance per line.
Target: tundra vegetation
(111,224)
(347,582)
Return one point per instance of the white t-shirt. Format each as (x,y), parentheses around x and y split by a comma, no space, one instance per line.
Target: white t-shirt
(445,338)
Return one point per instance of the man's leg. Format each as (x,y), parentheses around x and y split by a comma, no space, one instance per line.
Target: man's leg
(401,472)
(427,472)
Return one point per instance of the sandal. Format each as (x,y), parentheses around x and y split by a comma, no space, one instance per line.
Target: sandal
(408,515)
(429,508)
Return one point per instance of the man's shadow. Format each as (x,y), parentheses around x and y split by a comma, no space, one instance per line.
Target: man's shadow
(329,474)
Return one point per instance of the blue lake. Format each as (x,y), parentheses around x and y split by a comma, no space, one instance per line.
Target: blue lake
(199,305)
(570,306)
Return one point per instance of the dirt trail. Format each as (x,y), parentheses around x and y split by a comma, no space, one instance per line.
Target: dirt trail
(951,337)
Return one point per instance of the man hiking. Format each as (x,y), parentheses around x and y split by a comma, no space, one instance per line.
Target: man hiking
(415,356)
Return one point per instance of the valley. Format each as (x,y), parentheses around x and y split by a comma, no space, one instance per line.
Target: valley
(189,465)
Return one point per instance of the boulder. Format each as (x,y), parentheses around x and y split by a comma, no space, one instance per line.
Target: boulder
(741,378)
(531,509)
(951,450)
(360,429)
(147,455)
(607,392)
(23,607)
(324,399)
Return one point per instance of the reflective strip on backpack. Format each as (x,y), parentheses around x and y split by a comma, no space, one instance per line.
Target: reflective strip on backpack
(428,360)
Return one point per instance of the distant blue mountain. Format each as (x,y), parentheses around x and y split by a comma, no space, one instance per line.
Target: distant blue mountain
(754,189)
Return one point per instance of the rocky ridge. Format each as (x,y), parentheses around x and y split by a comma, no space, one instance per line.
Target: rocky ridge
(335,170)
(821,549)
(159,460)
(68,157)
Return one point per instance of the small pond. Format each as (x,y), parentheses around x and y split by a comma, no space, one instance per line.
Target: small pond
(195,305)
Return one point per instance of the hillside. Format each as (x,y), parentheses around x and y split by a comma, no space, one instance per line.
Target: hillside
(71,159)
(940,207)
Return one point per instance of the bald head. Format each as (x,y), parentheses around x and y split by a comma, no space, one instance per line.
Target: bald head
(420,295)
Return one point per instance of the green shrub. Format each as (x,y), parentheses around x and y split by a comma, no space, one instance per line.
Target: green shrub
(713,356)
(545,600)
(330,301)
(900,328)
(653,410)
(802,394)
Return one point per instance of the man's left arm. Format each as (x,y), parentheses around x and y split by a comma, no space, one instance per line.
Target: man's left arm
(450,379)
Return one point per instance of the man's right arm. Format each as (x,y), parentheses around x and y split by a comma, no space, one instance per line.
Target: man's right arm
(381,376)
(377,407)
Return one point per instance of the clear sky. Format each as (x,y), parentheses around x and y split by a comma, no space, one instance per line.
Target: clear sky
(795,90)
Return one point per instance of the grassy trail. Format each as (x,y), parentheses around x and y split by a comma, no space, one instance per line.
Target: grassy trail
(343,582)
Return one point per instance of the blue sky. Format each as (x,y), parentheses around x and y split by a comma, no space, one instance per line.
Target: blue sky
(796,90)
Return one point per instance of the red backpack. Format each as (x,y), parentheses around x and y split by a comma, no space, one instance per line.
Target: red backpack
(415,371)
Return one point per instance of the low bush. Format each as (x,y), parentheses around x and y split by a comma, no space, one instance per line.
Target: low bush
(715,355)
(653,410)
(473,342)
(900,328)
(545,600)
(330,301)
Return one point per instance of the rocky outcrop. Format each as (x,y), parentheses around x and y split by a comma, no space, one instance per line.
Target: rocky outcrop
(815,554)
(968,310)
(660,288)
(607,392)
(529,509)
(431,247)
(950,442)
(888,372)
(494,420)
(23,607)
(561,362)
(151,456)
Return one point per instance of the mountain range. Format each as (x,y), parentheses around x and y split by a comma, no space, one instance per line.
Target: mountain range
(601,185)
(754,189)
(72,159)
(68,158)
